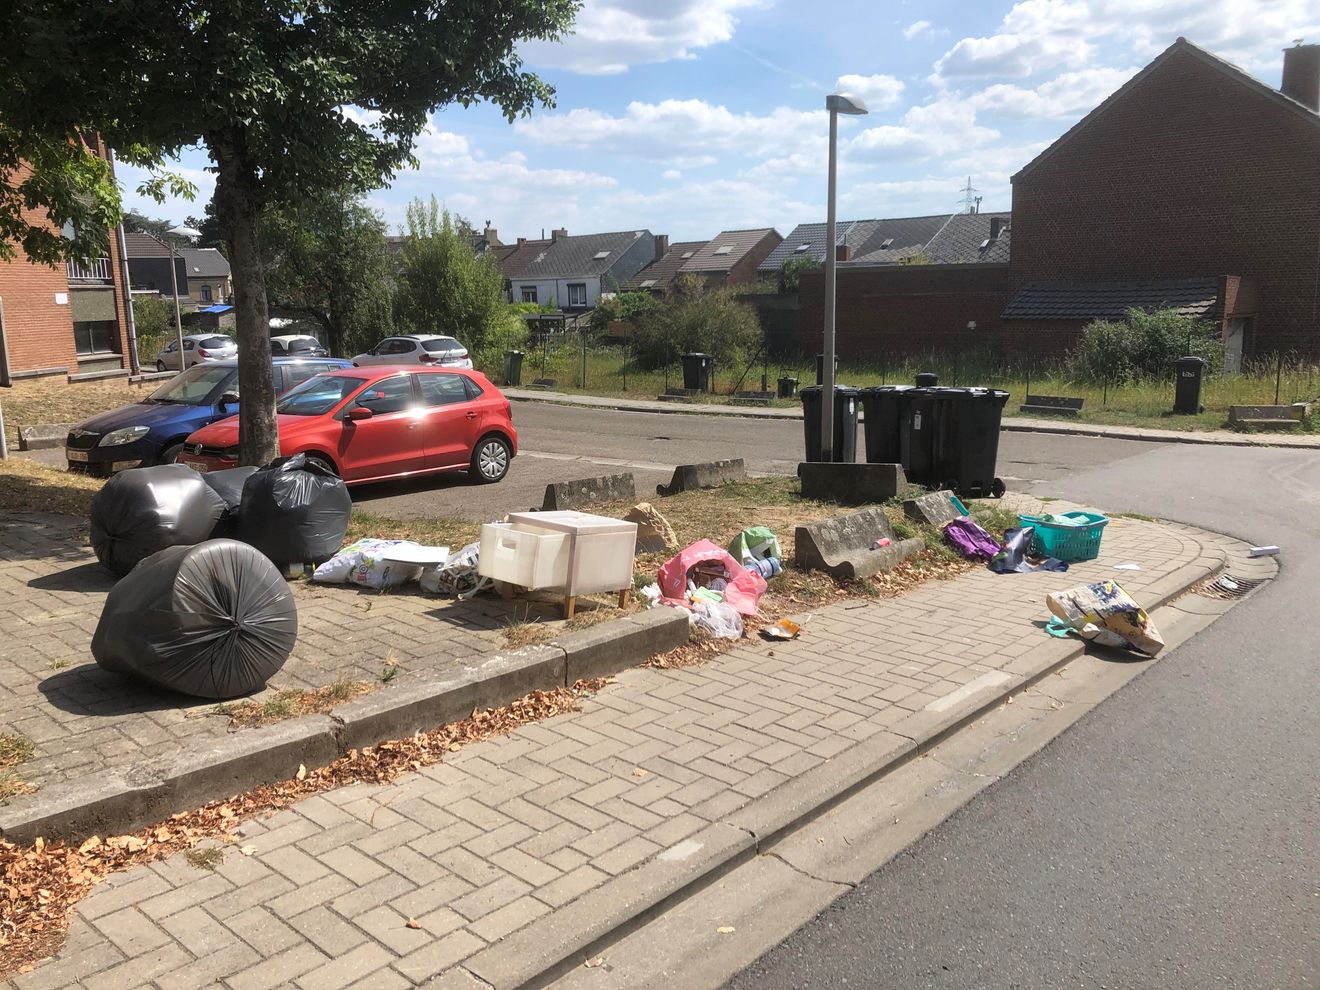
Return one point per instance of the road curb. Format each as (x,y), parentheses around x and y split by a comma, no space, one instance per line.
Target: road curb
(542,952)
(121,801)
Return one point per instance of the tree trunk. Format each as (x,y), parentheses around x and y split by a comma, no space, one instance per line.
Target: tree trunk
(238,202)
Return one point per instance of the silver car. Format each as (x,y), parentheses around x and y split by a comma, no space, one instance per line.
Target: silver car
(432,349)
(198,348)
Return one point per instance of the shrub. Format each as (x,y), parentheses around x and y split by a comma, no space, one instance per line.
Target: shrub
(695,317)
(1143,346)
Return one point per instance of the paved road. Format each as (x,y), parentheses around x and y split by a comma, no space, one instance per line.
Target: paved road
(1170,838)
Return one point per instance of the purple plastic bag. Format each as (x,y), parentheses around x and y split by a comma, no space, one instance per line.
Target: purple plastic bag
(971,540)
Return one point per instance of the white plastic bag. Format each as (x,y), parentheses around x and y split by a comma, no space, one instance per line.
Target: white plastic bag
(716,618)
(458,575)
(367,563)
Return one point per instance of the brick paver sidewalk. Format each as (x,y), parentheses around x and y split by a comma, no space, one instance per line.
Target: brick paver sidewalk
(511,835)
(84,720)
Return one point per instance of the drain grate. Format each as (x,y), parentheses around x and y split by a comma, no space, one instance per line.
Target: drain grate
(1228,586)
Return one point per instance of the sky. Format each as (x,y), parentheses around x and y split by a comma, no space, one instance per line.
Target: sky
(688,117)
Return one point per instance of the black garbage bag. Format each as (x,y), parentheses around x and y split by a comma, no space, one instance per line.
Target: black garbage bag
(294,511)
(216,620)
(229,486)
(144,510)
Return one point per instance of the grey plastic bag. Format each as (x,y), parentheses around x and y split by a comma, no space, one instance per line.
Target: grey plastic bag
(144,510)
(214,620)
(294,511)
(229,486)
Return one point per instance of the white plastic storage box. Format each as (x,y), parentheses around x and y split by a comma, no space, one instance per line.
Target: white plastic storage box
(600,553)
(528,559)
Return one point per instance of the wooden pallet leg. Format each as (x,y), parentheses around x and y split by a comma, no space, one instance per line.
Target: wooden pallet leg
(570,606)
(624,596)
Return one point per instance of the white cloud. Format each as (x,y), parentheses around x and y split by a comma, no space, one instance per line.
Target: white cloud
(451,156)
(609,36)
(670,174)
(1066,95)
(917,28)
(940,127)
(880,92)
(673,129)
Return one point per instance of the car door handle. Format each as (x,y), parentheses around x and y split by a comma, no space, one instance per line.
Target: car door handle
(471,415)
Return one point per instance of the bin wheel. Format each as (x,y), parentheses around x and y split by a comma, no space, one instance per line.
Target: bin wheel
(997,488)
(951,486)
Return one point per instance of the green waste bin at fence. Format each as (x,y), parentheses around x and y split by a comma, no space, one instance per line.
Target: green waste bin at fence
(513,367)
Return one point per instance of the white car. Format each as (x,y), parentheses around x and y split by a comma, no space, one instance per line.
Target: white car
(296,345)
(198,348)
(432,349)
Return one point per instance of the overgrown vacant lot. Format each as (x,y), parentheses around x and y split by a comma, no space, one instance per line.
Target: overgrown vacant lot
(54,400)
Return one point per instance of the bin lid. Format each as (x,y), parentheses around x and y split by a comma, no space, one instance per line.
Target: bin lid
(696,354)
(568,521)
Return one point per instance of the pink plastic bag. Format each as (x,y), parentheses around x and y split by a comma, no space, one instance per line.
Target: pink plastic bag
(743,593)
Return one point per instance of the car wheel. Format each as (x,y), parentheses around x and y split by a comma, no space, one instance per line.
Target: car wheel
(322,463)
(160,366)
(490,460)
(171,453)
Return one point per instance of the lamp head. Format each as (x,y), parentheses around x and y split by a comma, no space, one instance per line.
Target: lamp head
(187,233)
(842,103)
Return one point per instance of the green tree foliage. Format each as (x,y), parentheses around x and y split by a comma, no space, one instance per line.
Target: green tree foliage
(210,234)
(1143,346)
(155,226)
(790,272)
(327,259)
(693,316)
(620,306)
(443,286)
(289,97)
(153,320)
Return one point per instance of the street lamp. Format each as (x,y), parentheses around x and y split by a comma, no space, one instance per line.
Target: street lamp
(173,235)
(836,104)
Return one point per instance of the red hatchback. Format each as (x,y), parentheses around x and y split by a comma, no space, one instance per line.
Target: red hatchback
(368,424)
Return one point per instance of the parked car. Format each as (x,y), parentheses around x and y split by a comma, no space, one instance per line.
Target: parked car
(369,425)
(431,349)
(197,348)
(296,345)
(153,431)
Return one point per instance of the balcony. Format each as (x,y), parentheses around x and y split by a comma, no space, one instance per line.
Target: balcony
(97,270)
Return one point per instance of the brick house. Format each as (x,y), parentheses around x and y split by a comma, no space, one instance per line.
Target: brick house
(1194,185)
(65,320)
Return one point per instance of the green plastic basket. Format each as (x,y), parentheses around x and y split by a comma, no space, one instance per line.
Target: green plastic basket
(1067,543)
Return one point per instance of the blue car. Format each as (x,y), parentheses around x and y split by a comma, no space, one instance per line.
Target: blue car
(152,431)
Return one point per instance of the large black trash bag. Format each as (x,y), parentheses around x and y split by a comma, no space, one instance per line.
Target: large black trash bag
(295,511)
(144,510)
(229,486)
(216,620)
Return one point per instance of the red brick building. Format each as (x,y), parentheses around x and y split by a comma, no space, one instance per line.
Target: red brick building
(1194,185)
(65,320)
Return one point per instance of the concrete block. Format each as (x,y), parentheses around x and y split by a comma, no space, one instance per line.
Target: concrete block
(935,508)
(712,474)
(852,484)
(622,643)
(583,492)
(841,546)
(43,436)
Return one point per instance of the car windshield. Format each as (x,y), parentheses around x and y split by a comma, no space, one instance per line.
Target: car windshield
(304,344)
(215,343)
(319,394)
(442,344)
(193,386)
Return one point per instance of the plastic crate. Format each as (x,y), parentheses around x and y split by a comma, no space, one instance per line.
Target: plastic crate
(1067,543)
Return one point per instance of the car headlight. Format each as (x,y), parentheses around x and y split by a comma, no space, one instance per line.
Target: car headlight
(230,453)
(127,435)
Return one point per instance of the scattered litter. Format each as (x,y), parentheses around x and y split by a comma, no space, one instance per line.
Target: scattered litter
(970,540)
(1268,551)
(716,618)
(879,544)
(704,563)
(654,534)
(755,543)
(1107,607)
(957,504)
(783,629)
(1069,536)
(1013,558)
(295,511)
(413,923)
(596,963)
(1127,567)
(248,850)
(725,930)
(651,593)
(639,772)
(302,772)
(379,563)
(768,568)
(458,575)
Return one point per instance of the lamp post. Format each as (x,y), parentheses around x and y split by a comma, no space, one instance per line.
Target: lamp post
(836,104)
(171,236)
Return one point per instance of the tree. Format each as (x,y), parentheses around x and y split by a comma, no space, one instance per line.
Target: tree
(155,226)
(154,320)
(1143,346)
(288,97)
(790,272)
(209,232)
(443,286)
(693,316)
(327,258)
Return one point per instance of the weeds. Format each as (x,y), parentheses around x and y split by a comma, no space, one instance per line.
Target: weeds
(292,703)
(13,751)
(208,859)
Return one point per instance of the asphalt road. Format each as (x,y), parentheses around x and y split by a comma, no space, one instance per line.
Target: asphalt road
(1171,838)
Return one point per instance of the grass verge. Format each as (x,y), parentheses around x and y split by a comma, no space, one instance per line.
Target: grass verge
(14,750)
(32,401)
(293,703)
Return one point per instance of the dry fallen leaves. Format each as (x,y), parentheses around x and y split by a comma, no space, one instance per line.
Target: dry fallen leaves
(413,923)
(40,883)
(639,772)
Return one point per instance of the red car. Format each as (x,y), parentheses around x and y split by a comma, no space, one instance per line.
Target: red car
(368,424)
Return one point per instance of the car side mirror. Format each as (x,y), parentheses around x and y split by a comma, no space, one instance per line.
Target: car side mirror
(359,412)
(229,399)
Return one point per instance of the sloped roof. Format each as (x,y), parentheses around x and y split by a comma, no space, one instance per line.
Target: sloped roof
(966,239)
(513,258)
(1180,47)
(205,263)
(142,245)
(664,270)
(726,249)
(863,236)
(576,256)
(1198,297)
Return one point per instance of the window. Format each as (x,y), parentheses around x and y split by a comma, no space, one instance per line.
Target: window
(189,345)
(600,256)
(888,242)
(95,336)
(442,390)
(529,293)
(724,249)
(276,347)
(647,283)
(214,343)
(400,345)
(196,384)
(296,374)
(389,396)
(802,249)
(688,254)
(206,293)
(437,344)
(577,294)
(317,395)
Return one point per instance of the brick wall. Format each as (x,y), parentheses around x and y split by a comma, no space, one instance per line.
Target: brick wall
(905,309)
(1189,173)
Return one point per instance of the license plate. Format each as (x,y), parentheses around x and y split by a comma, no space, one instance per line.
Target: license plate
(77,456)
(199,468)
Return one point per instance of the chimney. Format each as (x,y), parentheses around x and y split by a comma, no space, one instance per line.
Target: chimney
(1301,75)
(522,241)
(557,233)
(843,253)
(491,235)
(996,227)
(661,246)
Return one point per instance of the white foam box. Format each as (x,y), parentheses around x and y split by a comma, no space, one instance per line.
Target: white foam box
(600,549)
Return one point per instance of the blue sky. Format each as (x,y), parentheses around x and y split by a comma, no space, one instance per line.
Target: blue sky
(691,116)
